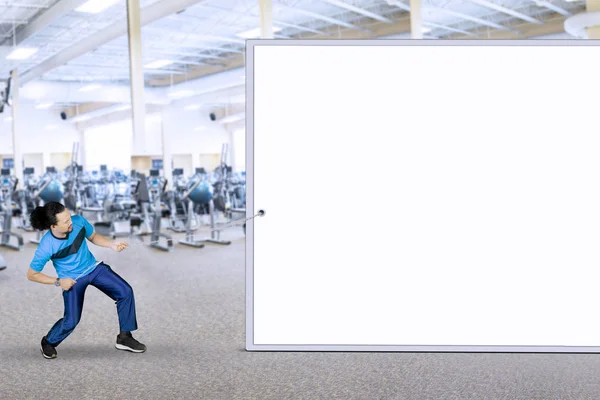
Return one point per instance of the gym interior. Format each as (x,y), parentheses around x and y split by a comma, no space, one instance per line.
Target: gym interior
(131,113)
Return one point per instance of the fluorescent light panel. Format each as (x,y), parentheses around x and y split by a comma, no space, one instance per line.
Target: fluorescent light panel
(158,64)
(254,33)
(96,6)
(89,88)
(180,94)
(22,53)
(44,106)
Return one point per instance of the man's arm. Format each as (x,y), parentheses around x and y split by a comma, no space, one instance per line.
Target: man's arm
(40,278)
(101,241)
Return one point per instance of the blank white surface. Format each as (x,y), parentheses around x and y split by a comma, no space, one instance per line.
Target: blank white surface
(426,196)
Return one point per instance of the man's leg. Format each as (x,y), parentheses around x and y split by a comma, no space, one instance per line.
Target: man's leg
(115,287)
(73,301)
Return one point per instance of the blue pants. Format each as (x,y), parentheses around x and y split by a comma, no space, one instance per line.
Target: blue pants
(111,284)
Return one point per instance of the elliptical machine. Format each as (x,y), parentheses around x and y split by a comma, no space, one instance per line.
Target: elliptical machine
(8,185)
(24,198)
(49,189)
(149,200)
(200,192)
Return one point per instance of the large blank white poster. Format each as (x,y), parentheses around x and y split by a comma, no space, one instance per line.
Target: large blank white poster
(424,195)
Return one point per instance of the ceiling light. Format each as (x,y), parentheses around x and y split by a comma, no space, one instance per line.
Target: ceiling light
(158,64)
(50,127)
(200,128)
(81,118)
(96,6)
(89,88)
(193,107)
(154,118)
(180,94)
(254,33)
(232,118)
(22,53)
(8,119)
(44,106)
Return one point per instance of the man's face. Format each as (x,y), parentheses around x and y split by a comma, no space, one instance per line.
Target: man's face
(63,223)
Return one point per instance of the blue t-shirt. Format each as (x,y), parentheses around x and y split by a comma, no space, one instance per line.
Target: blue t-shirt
(70,255)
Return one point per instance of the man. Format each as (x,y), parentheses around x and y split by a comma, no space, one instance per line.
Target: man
(76,267)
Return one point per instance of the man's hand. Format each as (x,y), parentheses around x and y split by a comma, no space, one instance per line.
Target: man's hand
(66,283)
(118,246)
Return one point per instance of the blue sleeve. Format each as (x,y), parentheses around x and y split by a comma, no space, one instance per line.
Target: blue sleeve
(41,257)
(89,228)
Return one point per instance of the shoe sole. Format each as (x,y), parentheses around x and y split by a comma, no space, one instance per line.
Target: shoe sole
(45,356)
(121,347)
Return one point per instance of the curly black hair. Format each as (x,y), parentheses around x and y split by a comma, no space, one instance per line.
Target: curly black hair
(42,218)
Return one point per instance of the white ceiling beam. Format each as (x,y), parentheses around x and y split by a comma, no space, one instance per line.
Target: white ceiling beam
(300,28)
(425,23)
(46,18)
(182,54)
(13,21)
(114,31)
(468,17)
(504,10)
(322,17)
(21,5)
(447,28)
(399,4)
(126,67)
(552,7)
(253,17)
(358,10)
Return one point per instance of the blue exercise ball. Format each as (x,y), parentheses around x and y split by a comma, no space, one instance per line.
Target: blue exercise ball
(202,194)
(53,192)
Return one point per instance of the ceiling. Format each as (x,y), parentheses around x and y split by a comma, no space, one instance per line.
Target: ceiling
(201,37)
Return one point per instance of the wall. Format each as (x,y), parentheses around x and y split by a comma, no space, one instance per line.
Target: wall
(110,145)
(44,132)
(192,132)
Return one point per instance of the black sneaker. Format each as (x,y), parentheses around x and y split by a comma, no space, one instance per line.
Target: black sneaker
(127,342)
(48,351)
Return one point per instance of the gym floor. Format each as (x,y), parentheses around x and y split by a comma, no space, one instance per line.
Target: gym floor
(191,315)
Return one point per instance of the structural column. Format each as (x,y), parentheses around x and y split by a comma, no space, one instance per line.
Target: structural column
(195,160)
(416,21)
(16,128)
(266,19)
(167,155)
(46,161)
(82,150)
(136,74)
(593,6)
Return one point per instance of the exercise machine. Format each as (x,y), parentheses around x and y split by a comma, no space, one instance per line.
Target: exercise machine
(200,192)
(8,185)
(25,200)
(50,189)
(149,201)
(179,220)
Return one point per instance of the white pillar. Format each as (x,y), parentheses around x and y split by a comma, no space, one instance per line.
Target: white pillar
(232,150)
(266,19)
(82,149)
(416,21)
(16,128)
(45,162)
(167,158)
(136,73)
(593,6)
(195,160)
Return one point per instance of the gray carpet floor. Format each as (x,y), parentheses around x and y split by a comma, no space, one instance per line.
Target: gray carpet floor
(191,315)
